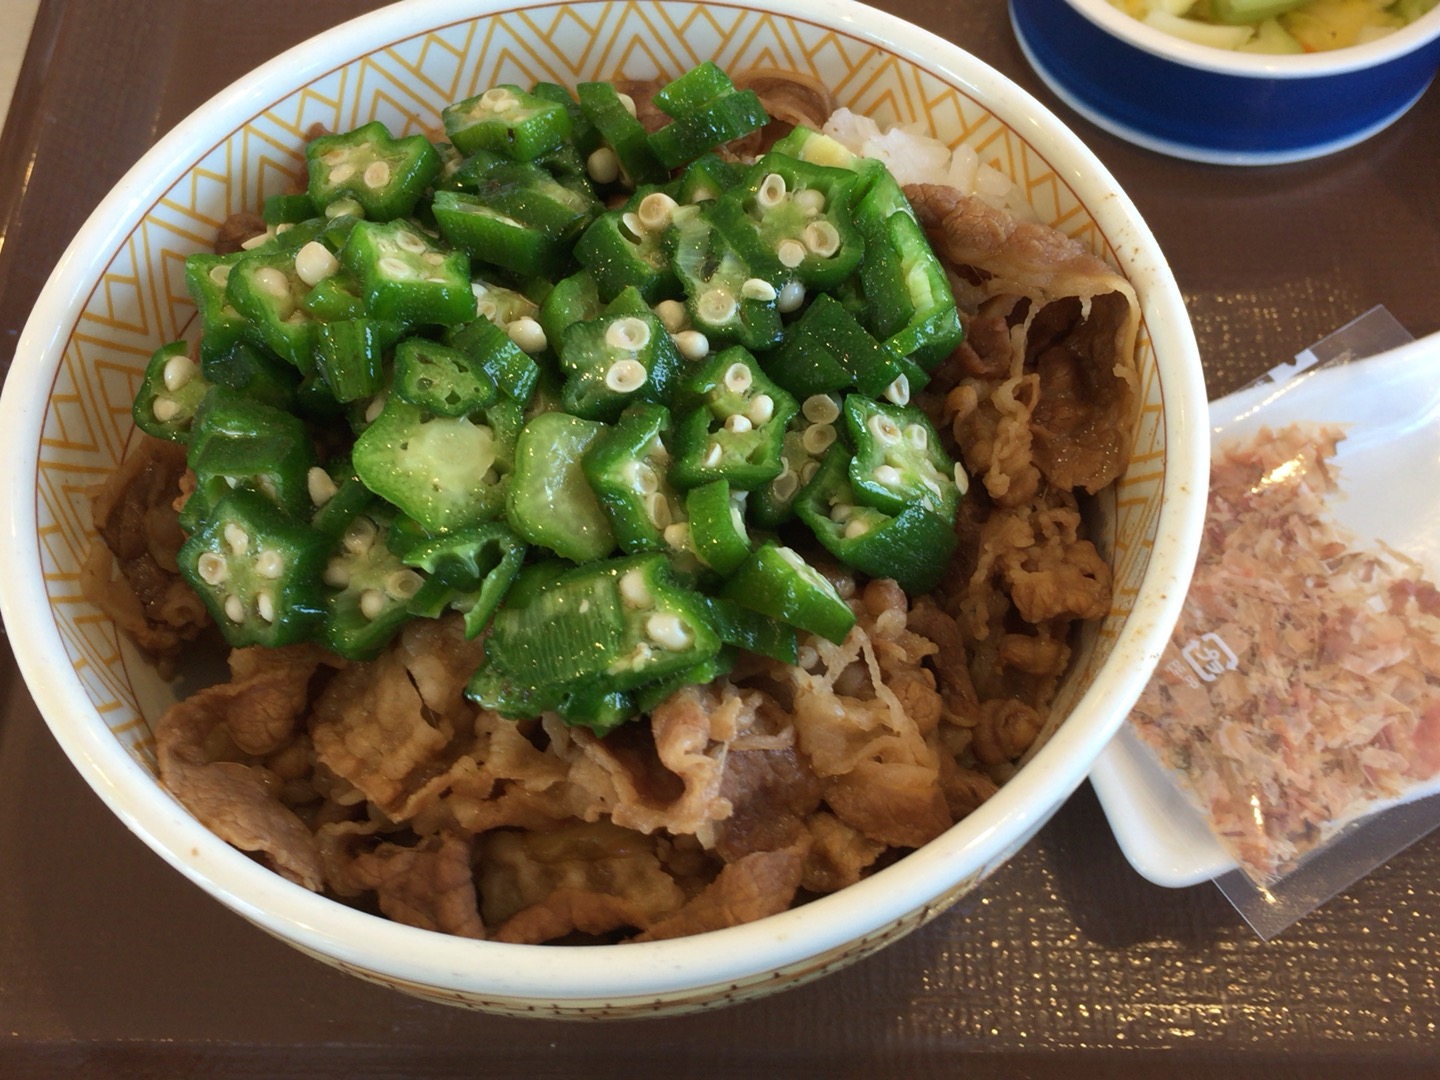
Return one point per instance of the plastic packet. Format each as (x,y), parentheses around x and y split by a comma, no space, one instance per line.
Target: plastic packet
(1296,710)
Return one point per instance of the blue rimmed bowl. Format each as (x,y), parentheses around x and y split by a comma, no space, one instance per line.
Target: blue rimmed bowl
(1213,105)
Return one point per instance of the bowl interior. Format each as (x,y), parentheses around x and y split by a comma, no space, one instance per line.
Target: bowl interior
(1122,25)
(120,294)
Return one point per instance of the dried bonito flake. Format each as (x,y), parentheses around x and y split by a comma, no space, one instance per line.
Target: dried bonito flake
(1301,688)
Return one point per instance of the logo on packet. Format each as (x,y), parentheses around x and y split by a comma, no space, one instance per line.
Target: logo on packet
(1209,657)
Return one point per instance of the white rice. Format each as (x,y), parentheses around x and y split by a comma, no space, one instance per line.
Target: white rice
(914,157)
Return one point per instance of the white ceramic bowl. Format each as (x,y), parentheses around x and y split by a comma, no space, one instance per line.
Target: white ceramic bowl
(117,294)
(1214,105)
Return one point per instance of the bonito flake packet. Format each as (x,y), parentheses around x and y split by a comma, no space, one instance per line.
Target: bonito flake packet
(1300,694)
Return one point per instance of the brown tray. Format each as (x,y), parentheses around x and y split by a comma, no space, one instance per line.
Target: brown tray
(1066,964)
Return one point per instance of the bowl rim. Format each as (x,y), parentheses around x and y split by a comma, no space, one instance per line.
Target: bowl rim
(1245,65)
(510,973)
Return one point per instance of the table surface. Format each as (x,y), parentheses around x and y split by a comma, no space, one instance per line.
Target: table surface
(1066,963)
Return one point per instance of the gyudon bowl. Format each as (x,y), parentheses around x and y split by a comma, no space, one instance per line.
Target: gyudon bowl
(119,294)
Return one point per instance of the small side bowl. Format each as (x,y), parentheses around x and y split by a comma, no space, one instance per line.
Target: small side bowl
(118,293)
(1213,105)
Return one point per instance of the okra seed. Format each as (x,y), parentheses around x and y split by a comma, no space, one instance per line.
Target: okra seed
(633,590)
(258,240)
(335,156)
(791,252)
(713,455)
(360,536)
(856,527)
(488,309)
(702,194)
(808,471)
(822,238)
(314,263)
(738,378)
(498,100)
(842,512)
(657,507)
(375,408)
(403,584)
(633,225)
(344,208)
(716,305)
(916,436)
(820,409)
(220,274)
(932,486)
(692,344)
(762,409)
(164,409)
(811,200)
(265,605)
(677,536)
(395,269)
(273,281)
(962,478)
(628,333)
(237,538)
(817,438)
(786,484)
(320,485)
(377,174)
(212,568)
(270,564)
(372,603)
(337,574)
(341,173)
(887,475)
(527,334)
(671,314)
(738,424)
(409,241)
(758,289)
(655,210)
(235,609)
(647,479)
(668,631)
(899,390)
(771,192)
(629,103)
(884,429)
(626,376)
(603,166)
(792,295)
